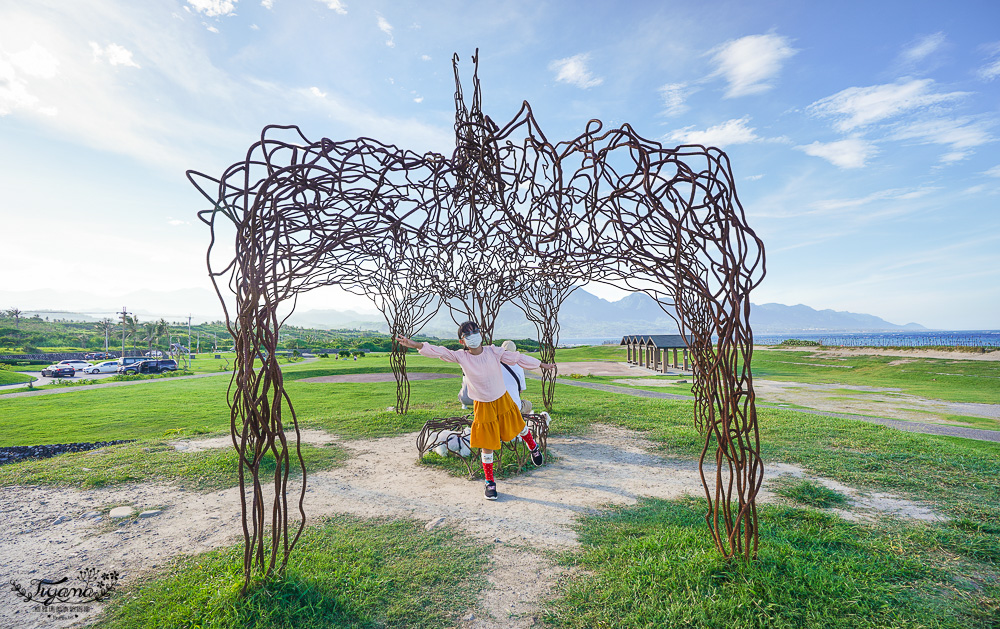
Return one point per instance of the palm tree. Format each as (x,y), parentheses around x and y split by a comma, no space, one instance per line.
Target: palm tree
(131,327)
(162,329)
(106,327)
(150,329)
(15,313)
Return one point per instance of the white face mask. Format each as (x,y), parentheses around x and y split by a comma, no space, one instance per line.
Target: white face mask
(472,341)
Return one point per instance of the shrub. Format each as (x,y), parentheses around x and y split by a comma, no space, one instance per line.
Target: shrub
(800,343)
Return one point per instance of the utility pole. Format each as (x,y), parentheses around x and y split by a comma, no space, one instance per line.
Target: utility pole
(124,313)
(189,333)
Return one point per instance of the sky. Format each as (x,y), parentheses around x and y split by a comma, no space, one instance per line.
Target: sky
(863,136)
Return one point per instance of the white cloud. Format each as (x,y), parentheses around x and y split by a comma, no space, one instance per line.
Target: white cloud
(993,172)
(425,57)
(418,99)
(849,153)
(213,8)
(892,194)
(115,54)
(991,69)
(728,133)
(254,27)
(17,70)
(959,135)
(335,5)
(410,133)
(923,48)
(749,63)
(267,4)
(674,95)
(211,29)
(861,106)
(754,177)
(573,70)
(385,27)
(36,61)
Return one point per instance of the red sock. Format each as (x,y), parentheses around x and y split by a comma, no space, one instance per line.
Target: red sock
(488,470)
(528,439)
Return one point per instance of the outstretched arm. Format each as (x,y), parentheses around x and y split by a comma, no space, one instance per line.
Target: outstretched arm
(426,349)
(517,358)
(405,342)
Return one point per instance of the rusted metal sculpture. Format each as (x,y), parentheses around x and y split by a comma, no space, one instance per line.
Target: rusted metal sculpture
(509,217)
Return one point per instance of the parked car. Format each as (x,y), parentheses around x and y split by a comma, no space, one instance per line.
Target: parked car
(125,361)
(59,371)
(149,366)
(79,365)
(98,355)
(109,366)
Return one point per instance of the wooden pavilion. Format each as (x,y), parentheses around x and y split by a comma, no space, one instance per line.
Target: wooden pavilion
(652,351)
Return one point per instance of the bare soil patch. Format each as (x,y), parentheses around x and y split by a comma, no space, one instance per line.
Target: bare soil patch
(598,368)
(903,352)
(864,400)
(650,382)
(44,532)
(378,377)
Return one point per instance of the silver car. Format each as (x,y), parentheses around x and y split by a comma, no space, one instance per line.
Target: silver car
(78,365)
(108,366)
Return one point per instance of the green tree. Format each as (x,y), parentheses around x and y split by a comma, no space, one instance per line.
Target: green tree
(131,328)
(15,314)
(162,329)
(106,327)
(149,328)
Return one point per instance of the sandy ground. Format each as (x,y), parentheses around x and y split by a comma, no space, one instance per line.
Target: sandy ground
(44,531)
(603,369)
(901,352)
(862,400)
(378,377)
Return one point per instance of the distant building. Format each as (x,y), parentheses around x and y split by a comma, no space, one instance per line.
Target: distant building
(652,351)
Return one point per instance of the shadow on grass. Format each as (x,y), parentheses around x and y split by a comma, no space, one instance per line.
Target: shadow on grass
(345,572)
(653,564)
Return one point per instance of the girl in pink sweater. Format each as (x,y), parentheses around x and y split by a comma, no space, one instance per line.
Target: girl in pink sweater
(495,416)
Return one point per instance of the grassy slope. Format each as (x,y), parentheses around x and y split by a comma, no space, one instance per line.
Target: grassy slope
(13,377)
(649,562)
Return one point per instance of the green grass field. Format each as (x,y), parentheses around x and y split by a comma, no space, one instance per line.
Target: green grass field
(13,377)
(649,565)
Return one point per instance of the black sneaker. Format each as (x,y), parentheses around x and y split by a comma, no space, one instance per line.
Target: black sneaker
(536,456)
(491,490)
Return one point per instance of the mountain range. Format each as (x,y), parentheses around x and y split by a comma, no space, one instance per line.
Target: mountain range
(584,315)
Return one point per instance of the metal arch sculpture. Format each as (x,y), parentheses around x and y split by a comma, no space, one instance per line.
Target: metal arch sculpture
(512,217)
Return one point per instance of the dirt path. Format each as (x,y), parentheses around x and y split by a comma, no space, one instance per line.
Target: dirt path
(901,352)
(47,532)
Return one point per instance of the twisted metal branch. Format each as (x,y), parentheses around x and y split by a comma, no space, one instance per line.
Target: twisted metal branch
(509,217)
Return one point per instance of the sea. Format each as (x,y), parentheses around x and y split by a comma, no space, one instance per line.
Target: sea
(923,338)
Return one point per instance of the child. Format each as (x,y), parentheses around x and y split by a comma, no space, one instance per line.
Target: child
(495,416)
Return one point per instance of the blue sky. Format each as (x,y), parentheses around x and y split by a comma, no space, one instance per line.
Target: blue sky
(863,135)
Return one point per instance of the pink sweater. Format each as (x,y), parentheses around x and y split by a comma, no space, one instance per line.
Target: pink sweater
(483,372)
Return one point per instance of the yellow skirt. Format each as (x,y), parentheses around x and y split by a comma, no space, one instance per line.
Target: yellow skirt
(494,422)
